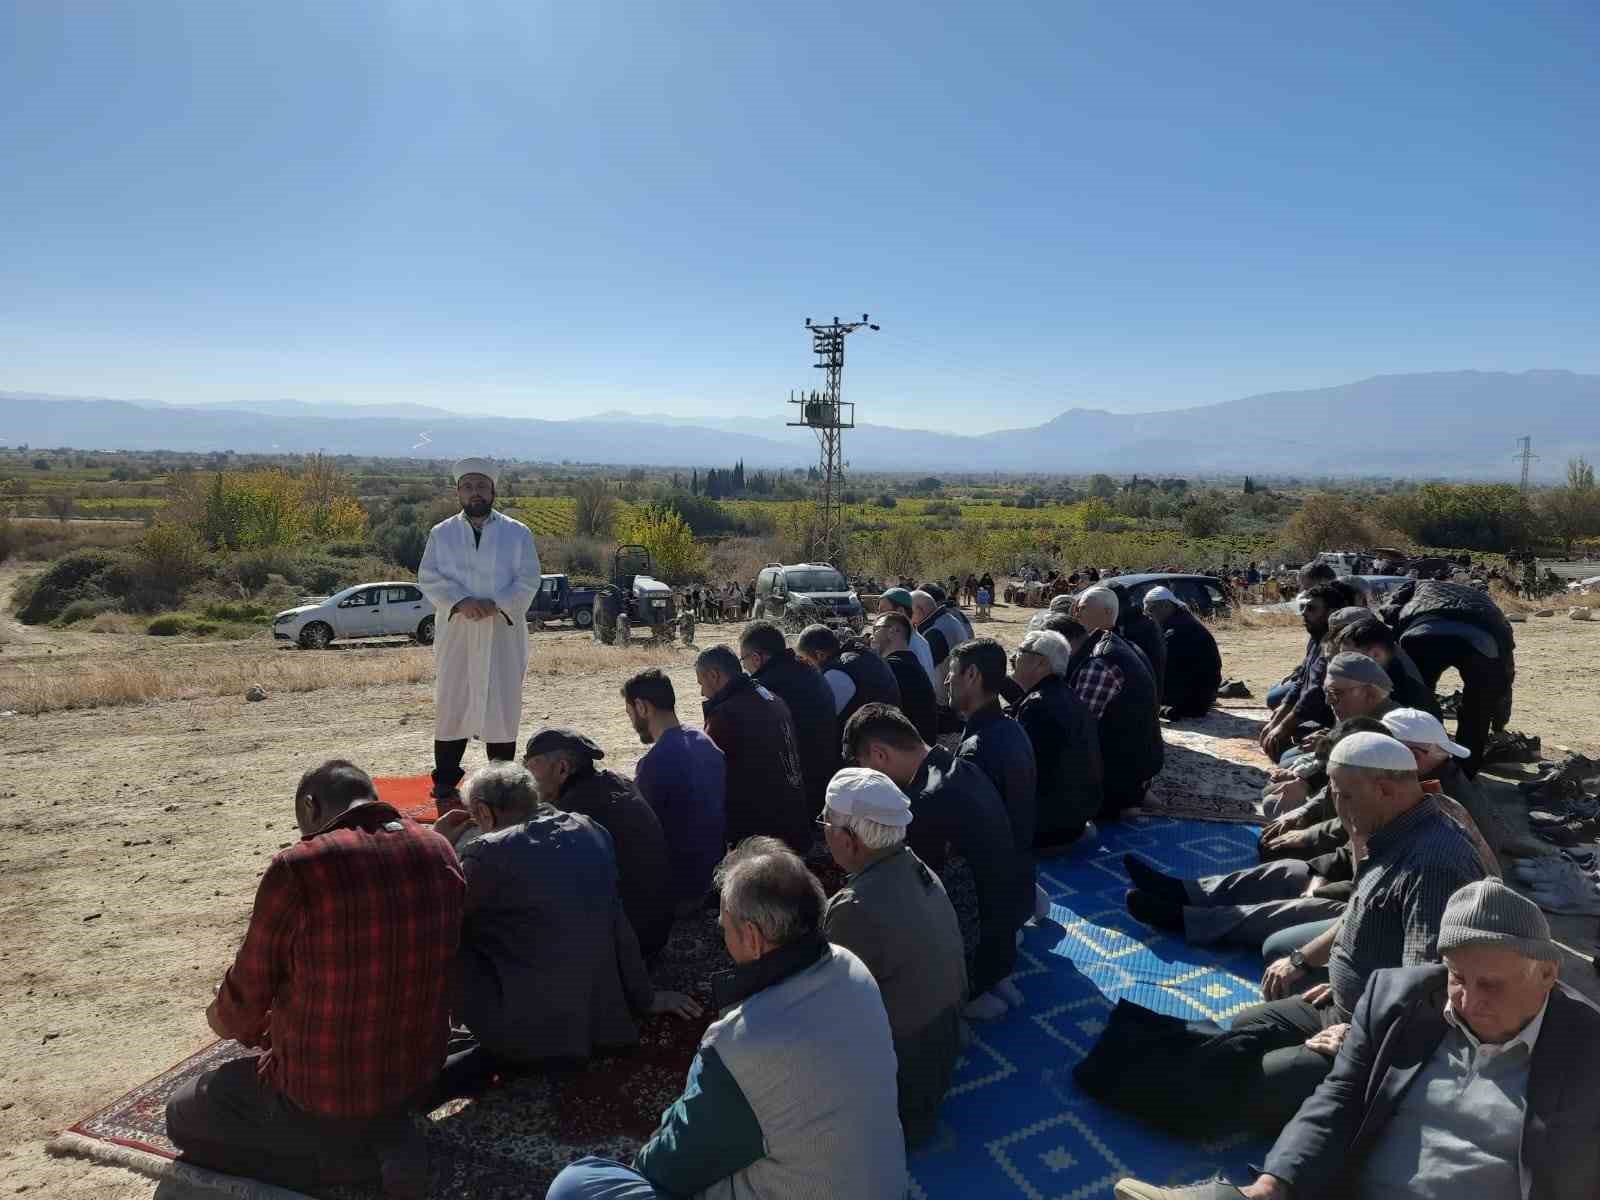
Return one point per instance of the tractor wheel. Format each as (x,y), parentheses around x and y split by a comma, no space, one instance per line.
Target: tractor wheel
(582,618)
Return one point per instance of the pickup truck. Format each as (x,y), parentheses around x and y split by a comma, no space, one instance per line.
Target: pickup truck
(558,600)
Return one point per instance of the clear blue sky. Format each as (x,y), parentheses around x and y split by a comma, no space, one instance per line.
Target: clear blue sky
(552,209)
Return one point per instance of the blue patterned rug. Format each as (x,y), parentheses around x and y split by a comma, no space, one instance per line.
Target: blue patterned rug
(1015,1124)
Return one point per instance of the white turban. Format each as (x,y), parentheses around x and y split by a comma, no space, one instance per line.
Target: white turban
(476,466)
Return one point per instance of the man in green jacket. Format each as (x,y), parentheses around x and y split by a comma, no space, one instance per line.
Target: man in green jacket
(792,1094)
(893,914)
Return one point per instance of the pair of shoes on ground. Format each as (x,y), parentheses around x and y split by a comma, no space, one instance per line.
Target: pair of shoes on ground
(1135,1189)
(995,1003)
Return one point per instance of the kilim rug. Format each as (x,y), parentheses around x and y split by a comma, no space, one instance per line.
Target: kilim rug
(1014,1124)
(1214,770)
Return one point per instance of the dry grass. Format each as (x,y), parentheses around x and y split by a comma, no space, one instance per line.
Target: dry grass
(31,688)
(1244,617)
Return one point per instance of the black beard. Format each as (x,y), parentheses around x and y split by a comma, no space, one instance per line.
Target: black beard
(476,508)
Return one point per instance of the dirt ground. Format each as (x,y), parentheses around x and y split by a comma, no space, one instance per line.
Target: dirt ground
(131,839)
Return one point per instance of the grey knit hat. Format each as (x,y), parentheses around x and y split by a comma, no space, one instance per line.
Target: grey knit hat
(1358,668)
(1488,913)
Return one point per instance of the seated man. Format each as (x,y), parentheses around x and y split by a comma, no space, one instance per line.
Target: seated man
(753,729)
(891,641)
(957,812)
(943,624)
(892,913)
(854,673)
(549,968)
(1112,678)
(562,762)
(1414,860)
(792,1092)
(343,983)
(766,656)
(1303,703)
(684,779)
(1194,665)
(1354,686)
(1471,1079)
(999,747)
(898,599)
(1377,641)
(1066,743)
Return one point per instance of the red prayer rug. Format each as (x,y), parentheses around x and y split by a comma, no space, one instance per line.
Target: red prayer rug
(412,795)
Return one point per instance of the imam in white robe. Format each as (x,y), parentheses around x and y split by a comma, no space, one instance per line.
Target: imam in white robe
(480,664)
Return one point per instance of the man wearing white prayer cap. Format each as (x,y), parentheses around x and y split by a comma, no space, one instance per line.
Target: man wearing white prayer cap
(1413,859)
(893,914)
(481,571)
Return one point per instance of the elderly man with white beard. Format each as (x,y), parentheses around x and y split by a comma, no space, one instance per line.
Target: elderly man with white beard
(481,571)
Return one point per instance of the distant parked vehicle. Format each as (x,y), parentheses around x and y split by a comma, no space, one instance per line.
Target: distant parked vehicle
(801,594)
(558,600)
(1203,595)
(392,609)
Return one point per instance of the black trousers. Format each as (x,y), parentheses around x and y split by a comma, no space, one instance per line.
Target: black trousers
(230,1120)
(1289,1071)
(447,756)
(1485,688)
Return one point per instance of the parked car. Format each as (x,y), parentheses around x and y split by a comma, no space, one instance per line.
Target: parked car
(1205,595)
(558,600)
(803,594)
(391,609)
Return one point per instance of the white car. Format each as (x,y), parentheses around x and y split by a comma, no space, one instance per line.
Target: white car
(392,609)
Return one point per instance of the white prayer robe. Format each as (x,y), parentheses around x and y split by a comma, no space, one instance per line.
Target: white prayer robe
(479,664)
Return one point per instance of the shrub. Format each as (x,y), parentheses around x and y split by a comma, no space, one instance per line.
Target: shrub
(228,611)
(170,625)
(75,576)
(84,610)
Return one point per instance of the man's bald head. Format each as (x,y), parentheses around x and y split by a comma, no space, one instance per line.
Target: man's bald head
(1098,608)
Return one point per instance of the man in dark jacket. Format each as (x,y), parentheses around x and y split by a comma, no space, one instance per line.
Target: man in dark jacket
(891,641)
(956,811)
(853,673)
(754,731)
(944,625)
(1443,625)
(562,763)
(1138,630)
(1304,703)
(1111,678)
(1378,642)
(1194,666)
(1002,750)
(1066,742)
(765,655)
(1474,1078)
(549,968)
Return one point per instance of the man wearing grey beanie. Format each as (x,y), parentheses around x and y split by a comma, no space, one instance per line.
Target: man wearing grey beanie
(1471,1079)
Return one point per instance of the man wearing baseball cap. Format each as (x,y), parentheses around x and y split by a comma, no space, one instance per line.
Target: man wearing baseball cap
(898,599)
(893,914)
(1475,1078)
(1194,665)
(562,762)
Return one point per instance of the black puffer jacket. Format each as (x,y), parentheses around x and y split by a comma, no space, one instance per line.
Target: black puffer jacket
(816,725)
(1131,749)
(1139,630)
(1421,598)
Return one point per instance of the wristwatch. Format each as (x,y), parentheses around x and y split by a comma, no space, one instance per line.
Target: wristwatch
(1297,960)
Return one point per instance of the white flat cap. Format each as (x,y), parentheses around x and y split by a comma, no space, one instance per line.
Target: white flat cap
(868,794)
(1161,593)
(1422,729)
(1374,751)
(476,466)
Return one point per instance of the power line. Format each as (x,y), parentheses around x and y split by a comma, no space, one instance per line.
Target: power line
(824,412)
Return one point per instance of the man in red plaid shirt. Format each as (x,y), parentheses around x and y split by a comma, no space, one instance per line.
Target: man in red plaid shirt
(342,983)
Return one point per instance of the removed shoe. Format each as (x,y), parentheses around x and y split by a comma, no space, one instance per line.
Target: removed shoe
(1234,689)
(1216,1189)
(987,1007)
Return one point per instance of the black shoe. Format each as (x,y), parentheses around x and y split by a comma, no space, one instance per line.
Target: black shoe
(1155,911)
(1147,879)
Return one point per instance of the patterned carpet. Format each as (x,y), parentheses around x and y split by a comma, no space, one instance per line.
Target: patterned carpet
(1214,770)
(1013,1126)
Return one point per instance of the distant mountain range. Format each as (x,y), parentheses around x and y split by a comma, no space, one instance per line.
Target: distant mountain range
(1457,424)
